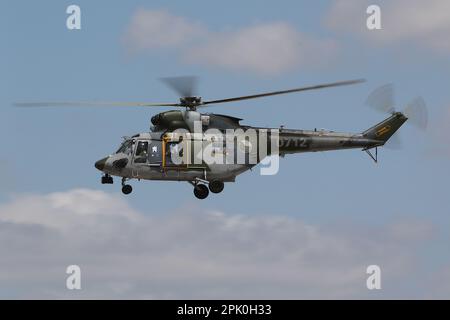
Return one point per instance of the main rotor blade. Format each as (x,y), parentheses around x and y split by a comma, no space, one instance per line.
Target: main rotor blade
(185,86)
(320,86)
(93,104)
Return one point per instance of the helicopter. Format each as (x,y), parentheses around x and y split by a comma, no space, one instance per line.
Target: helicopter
(167,152)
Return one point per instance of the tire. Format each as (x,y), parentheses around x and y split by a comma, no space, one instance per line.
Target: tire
(216,186)
(126,189)
(201,191)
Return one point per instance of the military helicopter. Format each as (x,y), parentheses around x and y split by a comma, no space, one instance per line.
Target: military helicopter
(149,155)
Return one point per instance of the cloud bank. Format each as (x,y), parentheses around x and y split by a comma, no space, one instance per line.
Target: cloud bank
(269,48)
(192,253)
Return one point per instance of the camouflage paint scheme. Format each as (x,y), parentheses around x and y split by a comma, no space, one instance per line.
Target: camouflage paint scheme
(125,164)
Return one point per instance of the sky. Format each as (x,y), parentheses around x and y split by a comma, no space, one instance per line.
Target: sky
(309,231)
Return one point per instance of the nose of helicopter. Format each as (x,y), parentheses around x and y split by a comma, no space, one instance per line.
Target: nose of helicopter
(100,164)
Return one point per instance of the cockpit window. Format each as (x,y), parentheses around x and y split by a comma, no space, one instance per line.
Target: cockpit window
(141,152)
(125,147)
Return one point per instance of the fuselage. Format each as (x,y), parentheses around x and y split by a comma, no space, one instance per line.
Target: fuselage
(149,155)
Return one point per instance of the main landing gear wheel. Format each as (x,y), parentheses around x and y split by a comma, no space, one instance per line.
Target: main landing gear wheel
(126,189)
(216,186)
(201,191)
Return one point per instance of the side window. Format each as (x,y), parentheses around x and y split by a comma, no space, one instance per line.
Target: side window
(176,148)
(128,148)
(174,153)
(141,152)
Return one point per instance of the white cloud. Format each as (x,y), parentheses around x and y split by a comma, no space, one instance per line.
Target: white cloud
(187,254)
(155,29)
(417,22)
(63,210)
(269,48)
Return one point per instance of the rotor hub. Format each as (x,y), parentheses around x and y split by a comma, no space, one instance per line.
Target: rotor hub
(190,102)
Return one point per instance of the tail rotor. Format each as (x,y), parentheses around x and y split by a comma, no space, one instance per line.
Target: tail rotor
(382,100)
(416,112)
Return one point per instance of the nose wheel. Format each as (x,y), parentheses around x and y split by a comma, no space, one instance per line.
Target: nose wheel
(126,188)
(107,179)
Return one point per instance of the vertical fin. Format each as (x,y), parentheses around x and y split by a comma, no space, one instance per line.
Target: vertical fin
(386,128)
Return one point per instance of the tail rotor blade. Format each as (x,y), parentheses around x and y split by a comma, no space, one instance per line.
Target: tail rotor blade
(382,99)
(416,112)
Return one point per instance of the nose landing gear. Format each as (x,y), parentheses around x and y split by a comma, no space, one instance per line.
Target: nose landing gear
(107,179)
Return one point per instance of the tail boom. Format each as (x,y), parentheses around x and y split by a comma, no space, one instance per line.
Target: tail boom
(298,141)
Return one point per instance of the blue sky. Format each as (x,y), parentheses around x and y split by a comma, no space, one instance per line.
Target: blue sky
(53,150)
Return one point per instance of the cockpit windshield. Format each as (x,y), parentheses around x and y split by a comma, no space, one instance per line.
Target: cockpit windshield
(125,147)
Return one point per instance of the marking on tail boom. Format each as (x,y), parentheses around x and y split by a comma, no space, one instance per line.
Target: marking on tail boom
(383,130)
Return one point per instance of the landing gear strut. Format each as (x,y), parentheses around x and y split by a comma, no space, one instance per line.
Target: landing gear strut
(126,188)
